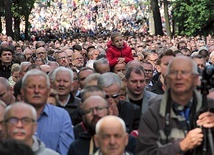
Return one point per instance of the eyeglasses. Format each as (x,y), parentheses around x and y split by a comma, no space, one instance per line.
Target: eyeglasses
(41,53)
(112,96)
(175,73)
(14,120)
(148,71)
(91,110)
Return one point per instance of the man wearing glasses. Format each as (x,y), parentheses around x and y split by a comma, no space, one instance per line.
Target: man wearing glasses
(41,52)
(93,109)
(171,125)
(20,124)
(129,112)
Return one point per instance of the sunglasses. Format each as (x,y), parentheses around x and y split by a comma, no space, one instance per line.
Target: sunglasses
(112,96)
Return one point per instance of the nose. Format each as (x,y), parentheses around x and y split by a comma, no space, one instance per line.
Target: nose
(36,89)
(178,75)
(112,140)
(19,123)
(138,83)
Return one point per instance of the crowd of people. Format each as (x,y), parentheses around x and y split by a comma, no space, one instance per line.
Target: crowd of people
(114,93)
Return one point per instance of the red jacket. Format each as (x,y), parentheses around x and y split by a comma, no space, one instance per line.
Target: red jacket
(114,53)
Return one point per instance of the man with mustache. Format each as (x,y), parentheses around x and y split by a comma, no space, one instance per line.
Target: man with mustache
(20,124)
(93,108)
(54,123)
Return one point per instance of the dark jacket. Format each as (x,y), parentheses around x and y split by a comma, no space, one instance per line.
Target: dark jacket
(113,53)
(5,71)
(157,88)
(130,113)
(81,145)
(73,109)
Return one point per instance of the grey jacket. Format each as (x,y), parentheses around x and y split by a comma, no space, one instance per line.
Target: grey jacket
(39,148)
(146,97)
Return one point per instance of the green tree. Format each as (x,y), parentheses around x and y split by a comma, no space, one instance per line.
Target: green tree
(8,17)
(193,17)
(21,10)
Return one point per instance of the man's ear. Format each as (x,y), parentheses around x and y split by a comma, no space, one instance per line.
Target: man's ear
(96,140)
(126,139)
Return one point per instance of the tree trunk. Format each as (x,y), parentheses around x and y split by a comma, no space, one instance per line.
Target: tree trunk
(157,17)
(26,27)
(1,25)
(17,28)
(166,15)
(151,20)
(8,17)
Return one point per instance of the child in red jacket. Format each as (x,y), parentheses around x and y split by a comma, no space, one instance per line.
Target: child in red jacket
(118,51)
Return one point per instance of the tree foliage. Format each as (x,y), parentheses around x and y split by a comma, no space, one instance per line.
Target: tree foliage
(194,17)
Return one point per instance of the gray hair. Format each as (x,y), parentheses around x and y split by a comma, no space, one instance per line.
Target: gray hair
(3,104)
(108,79)
(110,118)
(194,65)
(100,61)
(61,68)
(35,72)
(18,104)
(90,89)
(91,77)
(5,83)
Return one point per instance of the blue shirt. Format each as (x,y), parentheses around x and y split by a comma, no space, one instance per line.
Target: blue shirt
(55,129)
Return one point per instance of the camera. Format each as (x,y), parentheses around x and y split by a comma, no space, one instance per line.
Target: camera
(208,75)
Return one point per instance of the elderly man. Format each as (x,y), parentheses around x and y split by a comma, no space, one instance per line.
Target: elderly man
(2,110)
(20,124)
(129,112)
(6,91)
(62,79)
(54,124)
(168,126)
(111,136)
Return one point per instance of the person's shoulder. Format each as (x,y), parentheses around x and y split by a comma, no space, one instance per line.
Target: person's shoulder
(127,104)
(56,110)
(48,151)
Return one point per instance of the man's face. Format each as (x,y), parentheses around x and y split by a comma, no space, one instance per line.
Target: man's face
(6,94)
(200,63)
(62,59)
(76,84)
(6,57)
(152,59)
(62,84)
(112,94)
(180,79)
(2,110)
(21,130)
(95,54)
(148,68)
(78,60)
(93,117)
(41,53)
(28,53)
(82,75)
(136,83)
(164,63)
(111,140)
(120,68)
(35,91)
